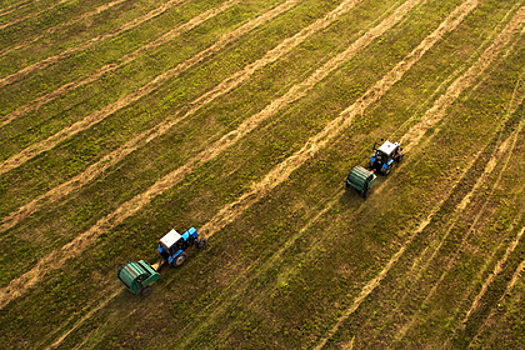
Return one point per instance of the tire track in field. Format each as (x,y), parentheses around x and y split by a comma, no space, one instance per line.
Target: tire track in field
(18,20)
(503,149)
(232,211)
(500,154)
(436,113)
(53,29)
(68,52)
(101,114)
(375,282)
(83,319)
(514,280)
(414,136)
(296,92)
(62,90)
(497,270)
(261,269)
(499,265)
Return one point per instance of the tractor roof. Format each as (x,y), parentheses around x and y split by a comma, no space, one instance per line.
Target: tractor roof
(170,238)
(388,147)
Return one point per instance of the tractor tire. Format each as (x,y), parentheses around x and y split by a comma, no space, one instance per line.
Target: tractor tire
(201,243)
(145,291)
(179,260)
(387,171)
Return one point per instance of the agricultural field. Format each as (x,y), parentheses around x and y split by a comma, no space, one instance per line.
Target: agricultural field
(123,119)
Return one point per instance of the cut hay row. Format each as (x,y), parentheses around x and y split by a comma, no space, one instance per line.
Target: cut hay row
(14,235)
(13,7)
(68,52)
(452,259)
(18,20)
(441,104)
(345,119)
(297,91)
(62,90)
(370,286)
(53,29)
(100,115)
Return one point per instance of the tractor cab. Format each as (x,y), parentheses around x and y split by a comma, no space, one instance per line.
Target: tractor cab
(384,157)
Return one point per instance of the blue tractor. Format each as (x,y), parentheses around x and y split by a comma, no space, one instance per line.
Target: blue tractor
(385,157)
(173,245)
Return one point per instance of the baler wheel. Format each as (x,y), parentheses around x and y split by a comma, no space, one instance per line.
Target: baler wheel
(145,291)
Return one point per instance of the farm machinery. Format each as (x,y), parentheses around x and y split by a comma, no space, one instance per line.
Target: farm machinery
(382,160)
(139,276)
(385,157)
(361,180)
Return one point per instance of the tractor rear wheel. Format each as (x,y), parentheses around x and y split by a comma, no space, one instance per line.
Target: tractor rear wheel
(387,171)
(200,243)
(179,260)
(145,291)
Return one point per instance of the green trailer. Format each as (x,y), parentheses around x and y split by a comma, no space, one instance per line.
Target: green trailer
(138,277)
(361,180)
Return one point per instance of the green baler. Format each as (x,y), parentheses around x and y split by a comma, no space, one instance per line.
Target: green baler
(138,277)
(361,180)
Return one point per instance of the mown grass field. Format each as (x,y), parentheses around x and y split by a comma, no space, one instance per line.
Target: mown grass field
(120,120)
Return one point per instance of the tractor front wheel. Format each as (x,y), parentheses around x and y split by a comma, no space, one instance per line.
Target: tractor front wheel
(179,260)
(201,243)
(387,170)
(145,291)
